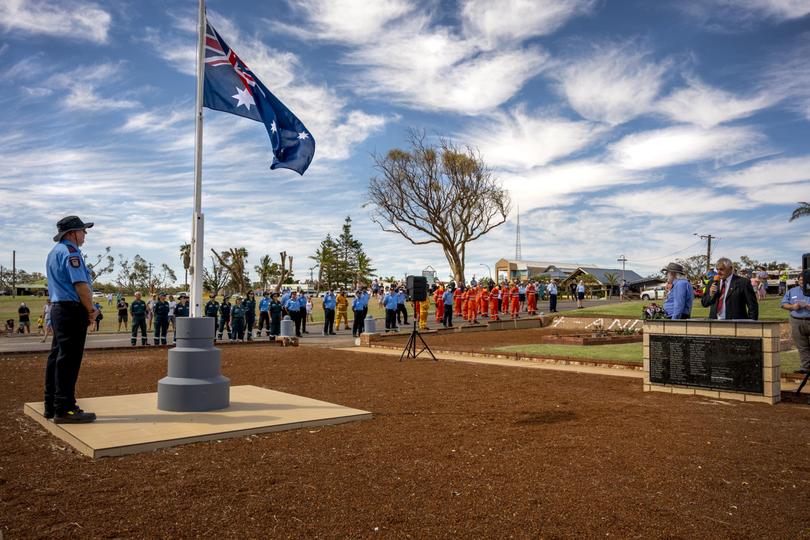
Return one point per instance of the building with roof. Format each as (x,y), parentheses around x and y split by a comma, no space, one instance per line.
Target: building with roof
(519,270)
(597,279)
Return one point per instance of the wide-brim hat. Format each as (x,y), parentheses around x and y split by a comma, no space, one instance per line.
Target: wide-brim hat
(69,223)
(674,267)
(183,295)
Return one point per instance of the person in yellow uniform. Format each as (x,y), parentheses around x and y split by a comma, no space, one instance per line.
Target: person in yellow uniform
(342,307)
(423,314)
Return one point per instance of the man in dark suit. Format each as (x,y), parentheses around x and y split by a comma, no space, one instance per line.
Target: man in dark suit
(730,296)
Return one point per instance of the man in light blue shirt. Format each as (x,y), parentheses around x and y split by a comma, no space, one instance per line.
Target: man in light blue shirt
(364,298)
(70,288)
(447,300)
(798,304)
(391,302)
(552,296)
(401,309)
(678,304)
(264,313)
(293,308)
(329,305)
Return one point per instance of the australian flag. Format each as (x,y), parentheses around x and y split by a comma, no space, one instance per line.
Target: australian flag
(231,87)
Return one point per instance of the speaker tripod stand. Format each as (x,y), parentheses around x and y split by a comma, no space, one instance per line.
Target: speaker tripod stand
(410,347)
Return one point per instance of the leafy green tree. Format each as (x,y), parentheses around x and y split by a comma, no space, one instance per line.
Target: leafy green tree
(342,260)
(612,279)
(267,270)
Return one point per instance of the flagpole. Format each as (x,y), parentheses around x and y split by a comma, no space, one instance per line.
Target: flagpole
(197,242)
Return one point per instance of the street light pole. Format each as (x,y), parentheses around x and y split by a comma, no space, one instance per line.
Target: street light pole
(622,259)
(488,271)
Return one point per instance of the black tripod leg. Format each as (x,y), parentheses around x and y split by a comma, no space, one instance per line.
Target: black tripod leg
(426,348)
(804,381)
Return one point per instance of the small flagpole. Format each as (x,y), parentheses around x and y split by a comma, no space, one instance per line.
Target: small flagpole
(197,227)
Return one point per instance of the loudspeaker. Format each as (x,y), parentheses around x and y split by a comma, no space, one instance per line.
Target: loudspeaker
(806,273)
(417,288)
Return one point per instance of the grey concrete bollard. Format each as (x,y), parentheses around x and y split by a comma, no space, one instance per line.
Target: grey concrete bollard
(194,381)
(287,327)
(369,325)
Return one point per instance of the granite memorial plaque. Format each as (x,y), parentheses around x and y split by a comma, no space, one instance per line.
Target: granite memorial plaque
(709,362)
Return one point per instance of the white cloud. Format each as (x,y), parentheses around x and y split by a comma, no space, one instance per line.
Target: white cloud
(743,14)
(706,106)
(767,173)
(612,83)
(346,21)
(437,70)
(778,194)
(82,85)
(518,19)
(74,20)
(681,144)
(564,184)
(674,201)
(788,76)
(517,139)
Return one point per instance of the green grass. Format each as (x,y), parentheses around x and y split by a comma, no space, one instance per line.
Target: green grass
(630,353)
(768,309)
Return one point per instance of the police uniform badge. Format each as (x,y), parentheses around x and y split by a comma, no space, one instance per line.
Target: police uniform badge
(74,262)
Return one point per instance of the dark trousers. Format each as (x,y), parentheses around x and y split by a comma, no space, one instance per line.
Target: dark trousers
(390,319)
(250,320)
(357,327)
(296,318)
(161,329)
(69,323)
(302,315)
(402,310)
(328,321)
(275,324)
(238,328)
(363,320)
(138,323)
(552,303)
(224,323)
(264,321)
(447,320)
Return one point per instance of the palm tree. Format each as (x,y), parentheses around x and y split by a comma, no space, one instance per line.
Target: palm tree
(265,271)
(185,254)
(612,279)
(802,210)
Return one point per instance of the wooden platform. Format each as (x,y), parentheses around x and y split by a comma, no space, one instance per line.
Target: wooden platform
(132,423)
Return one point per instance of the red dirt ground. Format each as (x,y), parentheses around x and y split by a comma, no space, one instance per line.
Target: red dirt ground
(454,450)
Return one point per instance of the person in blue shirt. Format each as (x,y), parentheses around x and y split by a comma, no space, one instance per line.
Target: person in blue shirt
(276,310)
(285,297)
(364,298)
(70,288)
(293,308)
(678,304)
(447,300)
(358,308)
(329,305)
(302,310)
(264,314)
(401,309)
(391,302)
(798,304)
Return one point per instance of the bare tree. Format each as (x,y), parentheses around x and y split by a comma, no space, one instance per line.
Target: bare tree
(103,264)
(235,261)
(285,270)
(215,279)
(185,255)
(437,195)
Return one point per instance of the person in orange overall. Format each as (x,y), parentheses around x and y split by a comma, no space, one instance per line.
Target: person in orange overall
(457,301)
(437,298)
(515,300)
(531,299)
(472,305)
(505,297)
(483,303)
(493,303)
(422,308)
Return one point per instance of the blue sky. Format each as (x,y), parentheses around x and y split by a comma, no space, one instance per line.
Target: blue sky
(619,127)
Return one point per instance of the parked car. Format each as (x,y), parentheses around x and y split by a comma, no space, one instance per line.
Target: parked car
(654,293)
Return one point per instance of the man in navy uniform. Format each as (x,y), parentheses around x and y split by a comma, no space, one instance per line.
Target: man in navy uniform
(138,309)
(212,308)
(238,317)
(249,304)
(276,310)
(160,318)
(180,310)
(71,294)
(224,318)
